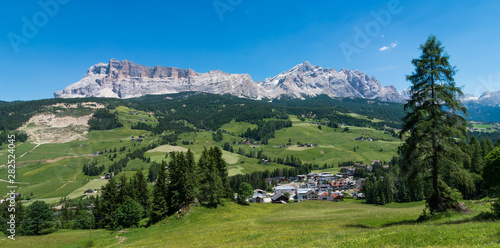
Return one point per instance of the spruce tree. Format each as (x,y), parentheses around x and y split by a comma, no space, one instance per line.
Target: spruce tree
(476,156)
(129,213)
(211,188)
(159,206)
(39,219)
(110,204)
(221,165)
(141,190)
(180,188)
(433,128)
(125,189)
(97,212)
(487,146)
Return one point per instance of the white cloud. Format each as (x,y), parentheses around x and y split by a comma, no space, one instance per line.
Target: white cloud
(392,45)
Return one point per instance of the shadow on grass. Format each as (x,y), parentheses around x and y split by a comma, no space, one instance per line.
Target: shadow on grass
(481,217)
(363,226)
(403,222)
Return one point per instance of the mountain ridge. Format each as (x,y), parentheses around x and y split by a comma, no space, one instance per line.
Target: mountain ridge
(126,79)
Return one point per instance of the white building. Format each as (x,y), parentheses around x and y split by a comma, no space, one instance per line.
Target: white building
(283,189)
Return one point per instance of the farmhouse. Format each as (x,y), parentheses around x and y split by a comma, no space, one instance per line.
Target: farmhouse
(279,198)
(257,198)
(326,197)
(337,197)
(88,191)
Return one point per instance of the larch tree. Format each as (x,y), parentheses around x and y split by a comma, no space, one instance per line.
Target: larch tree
(434,128)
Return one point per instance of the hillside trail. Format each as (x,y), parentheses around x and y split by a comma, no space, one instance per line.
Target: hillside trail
(37,145)
(72,180)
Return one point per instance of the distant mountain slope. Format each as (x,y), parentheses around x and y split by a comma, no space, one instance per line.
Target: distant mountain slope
(308,80)
(126,79)
(489,98)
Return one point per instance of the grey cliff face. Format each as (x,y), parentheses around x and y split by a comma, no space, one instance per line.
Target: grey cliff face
(126,79)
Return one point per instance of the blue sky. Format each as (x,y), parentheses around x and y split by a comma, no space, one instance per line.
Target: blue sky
(261,38)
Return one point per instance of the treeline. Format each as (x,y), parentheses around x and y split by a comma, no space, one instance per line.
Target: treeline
(265,130)
(175,126)
(203,110)
(469,181)
(104,120)
(138,153)
(142,126)
(384,185)
(206,181)
(91,169)
(20,136)
(258,178)
(492,136)
(323,106)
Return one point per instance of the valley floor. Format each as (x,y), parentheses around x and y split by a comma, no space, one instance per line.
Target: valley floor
(307,224)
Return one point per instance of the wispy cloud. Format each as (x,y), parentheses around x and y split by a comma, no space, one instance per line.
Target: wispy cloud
(392,45)
(383,48)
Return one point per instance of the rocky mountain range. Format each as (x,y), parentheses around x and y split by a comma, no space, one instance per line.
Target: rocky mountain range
(126,79)
(488,98)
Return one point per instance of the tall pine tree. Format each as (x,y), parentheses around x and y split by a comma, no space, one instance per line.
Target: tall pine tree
(433,128)
(211,187)
(141,190)
(181,188)
(159,206)
(221,165)
(109,205)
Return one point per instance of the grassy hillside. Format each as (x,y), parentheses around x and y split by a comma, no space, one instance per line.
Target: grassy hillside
(306,224)
(53,170)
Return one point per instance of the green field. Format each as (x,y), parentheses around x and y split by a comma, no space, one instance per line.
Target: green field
(486,127)
(334,145)
(53,170)
(306,224)
(237,128)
